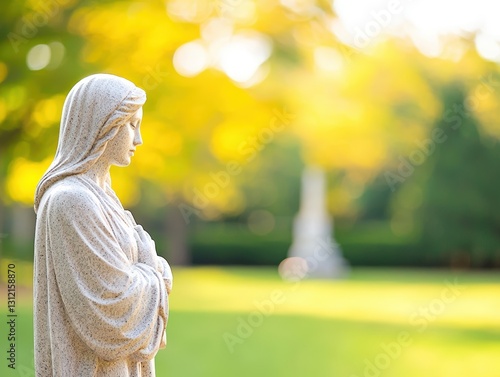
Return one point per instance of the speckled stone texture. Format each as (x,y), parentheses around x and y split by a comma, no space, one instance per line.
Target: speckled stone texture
(100,289)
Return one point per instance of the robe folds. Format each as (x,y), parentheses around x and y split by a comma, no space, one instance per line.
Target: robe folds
(98,310)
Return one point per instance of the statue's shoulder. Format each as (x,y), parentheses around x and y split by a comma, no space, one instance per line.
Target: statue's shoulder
(71,195)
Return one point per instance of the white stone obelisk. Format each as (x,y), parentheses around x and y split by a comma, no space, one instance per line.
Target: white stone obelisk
(312,230)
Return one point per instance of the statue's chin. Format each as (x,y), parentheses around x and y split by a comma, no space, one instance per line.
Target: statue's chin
(122,163)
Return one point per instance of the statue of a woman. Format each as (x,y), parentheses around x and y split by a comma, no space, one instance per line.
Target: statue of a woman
(100,289)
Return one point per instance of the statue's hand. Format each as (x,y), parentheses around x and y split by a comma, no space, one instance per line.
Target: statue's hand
(146,247)
(166,272)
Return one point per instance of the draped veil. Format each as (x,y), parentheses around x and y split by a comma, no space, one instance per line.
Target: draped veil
(93,111)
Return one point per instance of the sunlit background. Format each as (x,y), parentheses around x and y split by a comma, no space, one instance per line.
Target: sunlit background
(382,113)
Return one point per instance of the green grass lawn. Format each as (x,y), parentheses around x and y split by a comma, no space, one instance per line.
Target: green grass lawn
(247,322)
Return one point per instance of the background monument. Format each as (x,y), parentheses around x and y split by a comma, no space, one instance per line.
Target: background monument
(312,230)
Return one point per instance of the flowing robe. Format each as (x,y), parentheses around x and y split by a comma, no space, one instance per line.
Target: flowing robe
(98,311)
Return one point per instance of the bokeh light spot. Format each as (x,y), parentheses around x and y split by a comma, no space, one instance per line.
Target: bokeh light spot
(58,51)
(190,59)
(242,56)
(261,222)
(293,269)
(38,57)
(328,59)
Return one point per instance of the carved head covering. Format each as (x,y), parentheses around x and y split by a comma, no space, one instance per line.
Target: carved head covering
(93,111)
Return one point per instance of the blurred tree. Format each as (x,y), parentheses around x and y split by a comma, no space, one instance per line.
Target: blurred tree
(358,119)
(30,98)
(225,79)
(460,210)
(434,187)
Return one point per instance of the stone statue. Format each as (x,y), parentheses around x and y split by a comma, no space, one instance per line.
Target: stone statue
(312,240)
(100,289)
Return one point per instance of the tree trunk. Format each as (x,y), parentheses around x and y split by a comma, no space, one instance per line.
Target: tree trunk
(177,231)
(2,235)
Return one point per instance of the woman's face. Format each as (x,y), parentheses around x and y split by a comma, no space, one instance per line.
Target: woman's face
(122,147)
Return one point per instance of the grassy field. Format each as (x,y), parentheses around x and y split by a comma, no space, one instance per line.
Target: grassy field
(247,322)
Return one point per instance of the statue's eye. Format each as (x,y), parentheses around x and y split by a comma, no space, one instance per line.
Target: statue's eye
(133,126)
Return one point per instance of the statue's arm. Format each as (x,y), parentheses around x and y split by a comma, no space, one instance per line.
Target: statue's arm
(148,255)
